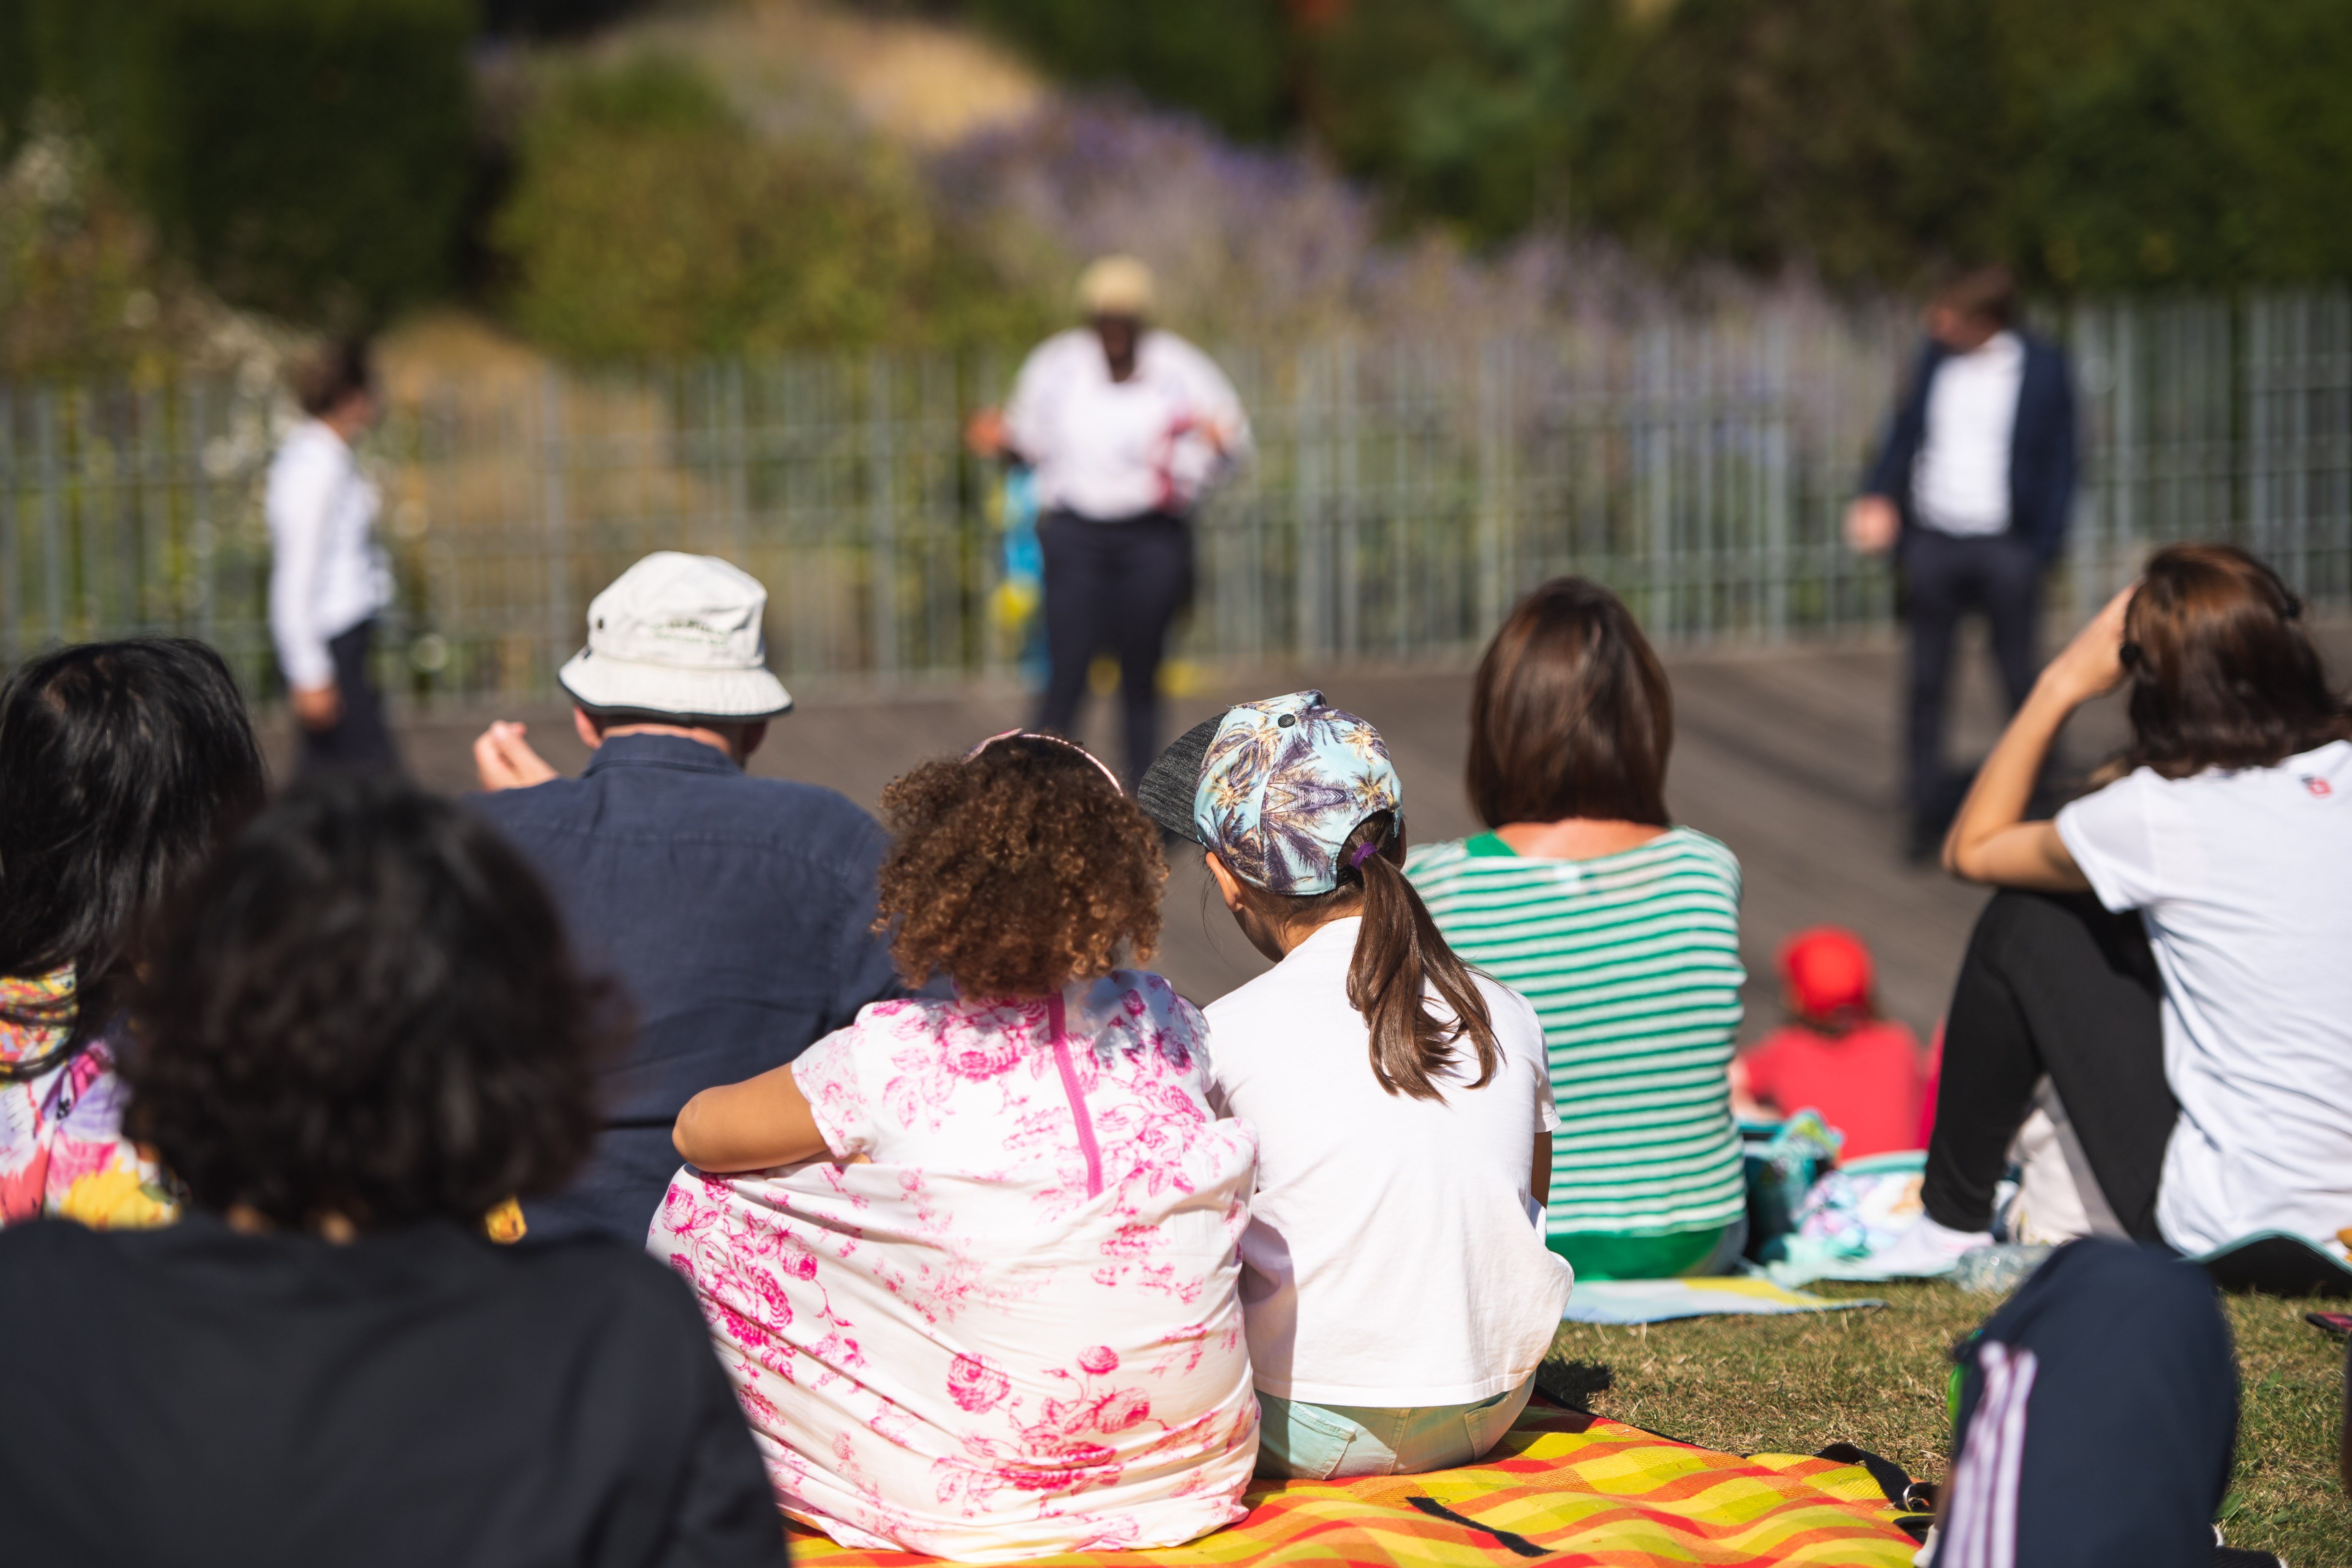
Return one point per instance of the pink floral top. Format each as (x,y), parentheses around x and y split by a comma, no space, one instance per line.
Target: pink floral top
(1013,1329)
(62,1152)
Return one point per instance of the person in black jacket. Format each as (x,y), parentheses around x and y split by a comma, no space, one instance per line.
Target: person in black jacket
(359,1033)
(1971,491)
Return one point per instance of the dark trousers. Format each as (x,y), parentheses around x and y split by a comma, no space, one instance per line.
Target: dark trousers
(2097,1418)
(358,740)
(2052,983)
(1944,579)
(1116,586)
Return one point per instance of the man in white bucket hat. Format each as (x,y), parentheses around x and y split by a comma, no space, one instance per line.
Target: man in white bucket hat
(736,912)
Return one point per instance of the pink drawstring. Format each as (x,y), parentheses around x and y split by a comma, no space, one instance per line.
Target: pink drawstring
(1070,1087)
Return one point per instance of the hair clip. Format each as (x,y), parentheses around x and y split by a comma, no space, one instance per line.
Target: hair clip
(2127,654)
(1051,741)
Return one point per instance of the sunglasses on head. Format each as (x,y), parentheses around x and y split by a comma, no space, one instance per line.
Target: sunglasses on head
(1051,741)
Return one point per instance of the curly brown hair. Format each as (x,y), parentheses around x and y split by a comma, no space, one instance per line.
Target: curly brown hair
(1017,871)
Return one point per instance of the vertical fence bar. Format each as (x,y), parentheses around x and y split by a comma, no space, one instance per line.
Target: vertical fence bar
(554,523)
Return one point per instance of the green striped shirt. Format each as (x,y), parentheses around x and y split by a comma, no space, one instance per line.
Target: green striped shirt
(1632,963)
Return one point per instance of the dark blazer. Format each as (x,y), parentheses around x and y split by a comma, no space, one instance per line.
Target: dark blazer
(2042,454)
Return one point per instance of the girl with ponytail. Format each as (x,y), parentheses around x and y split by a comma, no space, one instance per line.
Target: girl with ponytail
(1395,1285)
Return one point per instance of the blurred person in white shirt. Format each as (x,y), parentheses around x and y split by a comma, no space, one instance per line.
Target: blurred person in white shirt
(328,577)
(1126,427)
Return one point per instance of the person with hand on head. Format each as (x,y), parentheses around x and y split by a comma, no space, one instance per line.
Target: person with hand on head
(357,1031)
(328,577)
(1395,1281)
(1971,492)
(1620,926)
(1126,426)
(736,912)
(973,1260)
(123,765)
(2168,952)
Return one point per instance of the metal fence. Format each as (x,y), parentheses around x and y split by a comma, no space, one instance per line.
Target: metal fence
(1403,495)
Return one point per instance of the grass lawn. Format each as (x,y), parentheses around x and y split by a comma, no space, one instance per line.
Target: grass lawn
(1876,1377)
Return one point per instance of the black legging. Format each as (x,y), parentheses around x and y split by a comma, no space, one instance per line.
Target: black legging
(358,740)
(2052,983)
(1115,585)
(1944,579)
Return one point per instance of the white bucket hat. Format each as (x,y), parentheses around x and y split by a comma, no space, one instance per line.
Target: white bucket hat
(680,634)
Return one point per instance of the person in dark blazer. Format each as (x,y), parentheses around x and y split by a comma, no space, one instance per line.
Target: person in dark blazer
(1971,491)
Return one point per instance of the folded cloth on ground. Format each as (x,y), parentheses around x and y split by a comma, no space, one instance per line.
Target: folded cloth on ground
(1658,1300)
(1571,1488)
(1850,1214)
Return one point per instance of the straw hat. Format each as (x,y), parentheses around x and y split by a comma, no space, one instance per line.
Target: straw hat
(1115,286)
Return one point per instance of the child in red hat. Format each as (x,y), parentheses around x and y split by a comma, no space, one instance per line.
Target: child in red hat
(1862,1073)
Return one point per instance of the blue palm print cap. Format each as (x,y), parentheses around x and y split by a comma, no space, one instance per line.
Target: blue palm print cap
(1275,788)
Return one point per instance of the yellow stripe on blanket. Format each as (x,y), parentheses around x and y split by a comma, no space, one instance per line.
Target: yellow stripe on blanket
(1565,1487)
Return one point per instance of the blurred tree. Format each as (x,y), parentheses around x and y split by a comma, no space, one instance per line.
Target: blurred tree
(310,157)
(1225,60)
(646,218)
(1465,109)
(82,288)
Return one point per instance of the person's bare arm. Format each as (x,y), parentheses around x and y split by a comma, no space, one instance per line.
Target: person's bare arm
(1539,1173)
(750,1126)
(1990,842)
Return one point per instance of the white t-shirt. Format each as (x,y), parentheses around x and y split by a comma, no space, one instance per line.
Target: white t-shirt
(1959,482)
(2241,877)
(1394,1258)
(327,574)
(1113,449)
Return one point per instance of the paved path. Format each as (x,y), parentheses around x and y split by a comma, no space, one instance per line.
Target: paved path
(1788,756)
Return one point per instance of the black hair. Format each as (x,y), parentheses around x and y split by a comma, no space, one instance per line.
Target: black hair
(1400,956)
(365,1007)
(123,765)
(341,370)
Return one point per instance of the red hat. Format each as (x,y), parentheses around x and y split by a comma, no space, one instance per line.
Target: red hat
(1827,970)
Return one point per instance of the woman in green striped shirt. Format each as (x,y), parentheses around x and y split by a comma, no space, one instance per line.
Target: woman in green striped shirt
(1622,929)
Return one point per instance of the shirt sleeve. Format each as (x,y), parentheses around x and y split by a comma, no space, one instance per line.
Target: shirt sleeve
(1027,411)
(301,488)
(827,1076)
(2108,834)
(1528,1031)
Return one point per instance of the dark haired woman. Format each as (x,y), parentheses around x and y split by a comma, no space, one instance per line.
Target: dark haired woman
(360,1031)
(1622,929)
(1398,1293)
(990,1313)
(2174,954)
(121,764)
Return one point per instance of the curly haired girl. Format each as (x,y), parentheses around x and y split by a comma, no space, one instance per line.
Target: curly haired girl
(974,1262)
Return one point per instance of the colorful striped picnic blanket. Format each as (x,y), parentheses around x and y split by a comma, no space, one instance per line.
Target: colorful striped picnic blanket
(1571,1488)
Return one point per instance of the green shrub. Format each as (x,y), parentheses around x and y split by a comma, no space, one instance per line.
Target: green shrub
(646,218)
(310,157)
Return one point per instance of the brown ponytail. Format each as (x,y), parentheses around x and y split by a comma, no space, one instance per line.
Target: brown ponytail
(1401,955)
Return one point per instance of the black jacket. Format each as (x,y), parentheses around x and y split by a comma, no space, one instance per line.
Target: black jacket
(201,1397)
(2042,454)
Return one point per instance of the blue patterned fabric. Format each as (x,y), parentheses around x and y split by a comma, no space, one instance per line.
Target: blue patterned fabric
(1282,783)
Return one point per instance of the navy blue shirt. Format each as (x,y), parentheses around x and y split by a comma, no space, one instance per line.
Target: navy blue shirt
(737,913)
